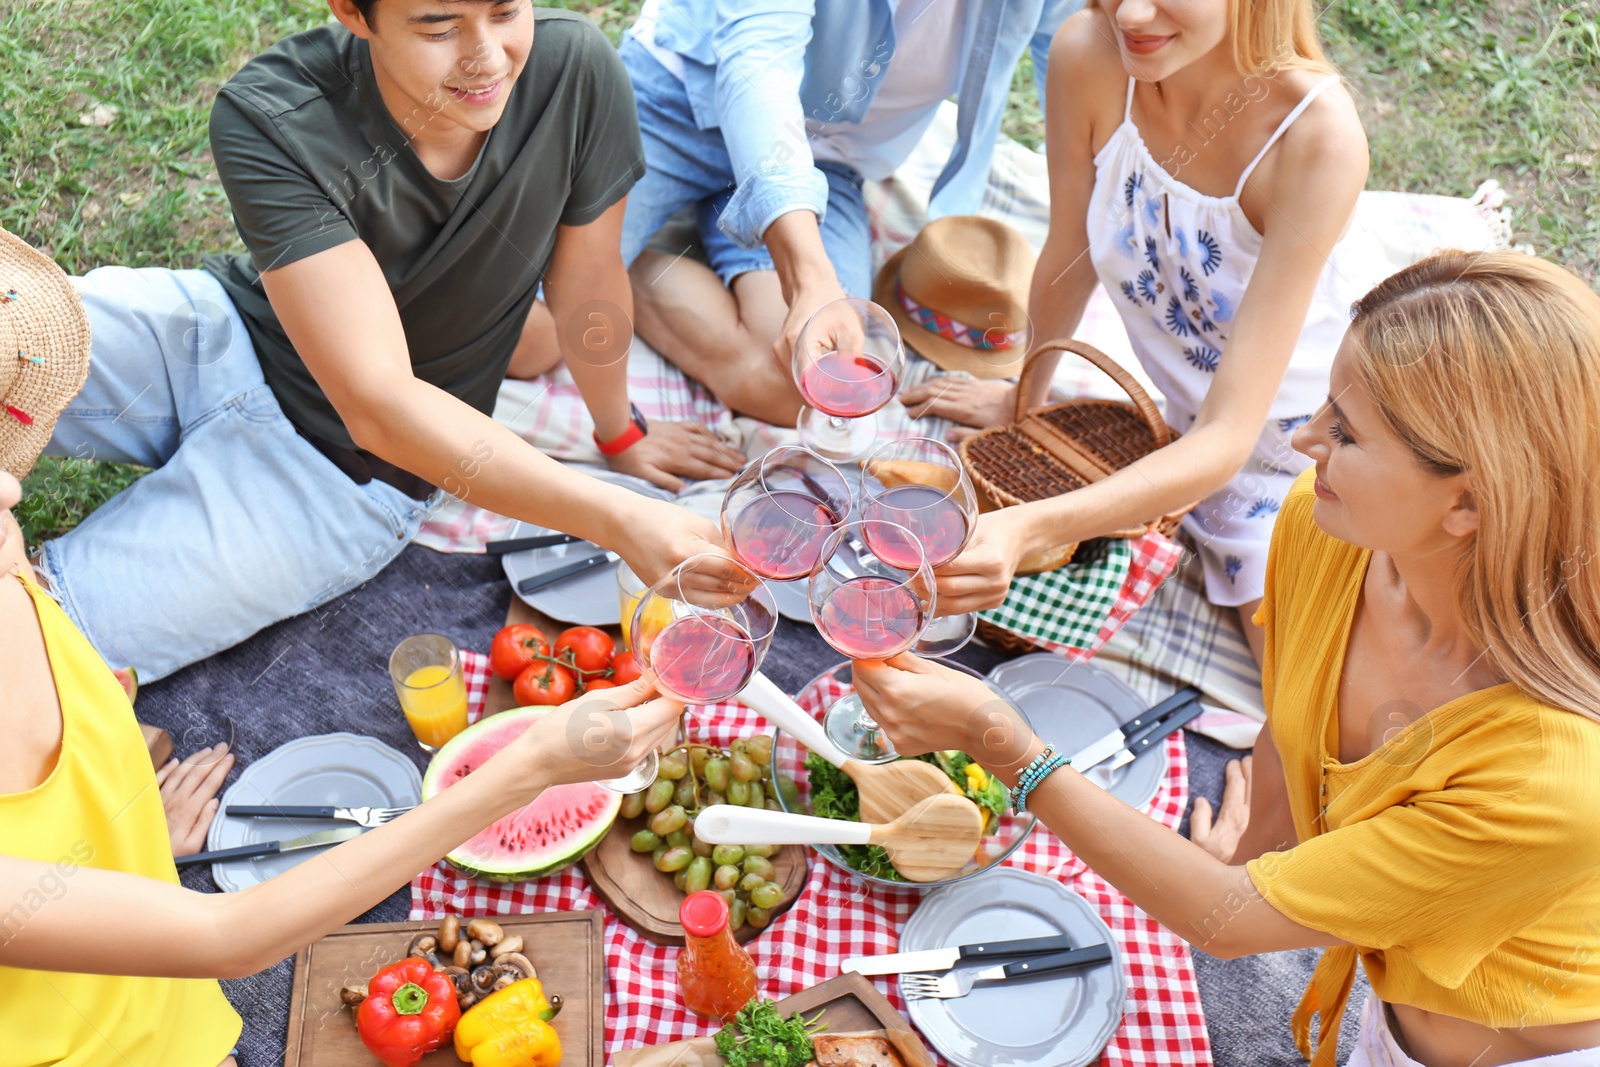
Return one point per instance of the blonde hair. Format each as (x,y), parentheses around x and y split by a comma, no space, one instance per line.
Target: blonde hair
(1489,364)
(1272,35)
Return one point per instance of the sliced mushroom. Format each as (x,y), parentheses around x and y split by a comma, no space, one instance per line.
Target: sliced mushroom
(425,946)
(486,930)
(479,953)
(462,956)
(353,993)
(516,963)
(468,999)
(483,977)
(449,933)
(510,944)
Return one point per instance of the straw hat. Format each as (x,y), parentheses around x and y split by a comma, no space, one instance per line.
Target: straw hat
(44,350)
(959,293)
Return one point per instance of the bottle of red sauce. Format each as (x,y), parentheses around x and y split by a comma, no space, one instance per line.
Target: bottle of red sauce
(716,977)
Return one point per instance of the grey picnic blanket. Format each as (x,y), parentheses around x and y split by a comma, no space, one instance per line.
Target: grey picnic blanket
(325,672)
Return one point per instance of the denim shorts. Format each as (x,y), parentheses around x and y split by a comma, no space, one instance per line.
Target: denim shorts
(241,522)
(687,166)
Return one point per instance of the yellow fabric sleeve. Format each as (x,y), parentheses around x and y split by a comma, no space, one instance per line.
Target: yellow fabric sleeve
(1451,875)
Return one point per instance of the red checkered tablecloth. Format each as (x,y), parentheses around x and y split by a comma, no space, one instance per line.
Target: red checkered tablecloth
(837,917)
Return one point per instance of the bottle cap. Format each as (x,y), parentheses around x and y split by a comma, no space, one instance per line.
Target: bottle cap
(703,914)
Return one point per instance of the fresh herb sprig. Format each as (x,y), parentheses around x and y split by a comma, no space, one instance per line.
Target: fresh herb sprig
(760,1036)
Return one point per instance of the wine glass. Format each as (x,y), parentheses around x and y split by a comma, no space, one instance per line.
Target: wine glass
(868,607)
(778,510)
(920,484)
(703,630)
(848,362)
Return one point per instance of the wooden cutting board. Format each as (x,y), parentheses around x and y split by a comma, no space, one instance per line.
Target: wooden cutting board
(849,1004)
(646,899)
(567,949)
(852,1003)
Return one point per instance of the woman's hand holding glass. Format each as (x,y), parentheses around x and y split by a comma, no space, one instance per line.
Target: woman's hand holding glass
(928,707)
(980,577)
(600,735)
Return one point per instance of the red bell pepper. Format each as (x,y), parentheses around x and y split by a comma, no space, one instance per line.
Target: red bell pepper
(409,1011)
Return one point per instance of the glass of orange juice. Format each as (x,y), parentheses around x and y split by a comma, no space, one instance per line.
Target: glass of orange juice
(630,590)
(428,678)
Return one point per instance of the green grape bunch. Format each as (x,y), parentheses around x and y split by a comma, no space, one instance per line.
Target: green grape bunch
(693,777)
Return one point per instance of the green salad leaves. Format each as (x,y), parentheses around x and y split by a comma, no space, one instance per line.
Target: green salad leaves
(760,1036)
(834,796)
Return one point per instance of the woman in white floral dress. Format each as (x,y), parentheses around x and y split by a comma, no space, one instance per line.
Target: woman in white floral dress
(1203,167)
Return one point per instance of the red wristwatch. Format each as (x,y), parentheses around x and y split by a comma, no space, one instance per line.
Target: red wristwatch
(625,440)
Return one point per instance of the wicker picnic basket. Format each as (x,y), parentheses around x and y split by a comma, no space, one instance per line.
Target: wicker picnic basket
(1061,447)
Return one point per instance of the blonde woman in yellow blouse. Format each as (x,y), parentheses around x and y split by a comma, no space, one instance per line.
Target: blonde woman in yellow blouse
(1424,799)
(84,850)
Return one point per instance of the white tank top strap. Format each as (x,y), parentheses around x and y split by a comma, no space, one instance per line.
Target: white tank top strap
(1127,109)
(1288,120)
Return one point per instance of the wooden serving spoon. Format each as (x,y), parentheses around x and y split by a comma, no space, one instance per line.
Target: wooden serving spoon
(932,841)
(887,790)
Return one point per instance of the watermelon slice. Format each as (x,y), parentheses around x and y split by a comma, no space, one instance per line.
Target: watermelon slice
(548,835)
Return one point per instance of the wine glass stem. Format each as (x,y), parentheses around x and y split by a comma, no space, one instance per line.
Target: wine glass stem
(865,721)
(838,422)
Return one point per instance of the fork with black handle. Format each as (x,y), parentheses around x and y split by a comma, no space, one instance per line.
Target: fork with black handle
(954,984)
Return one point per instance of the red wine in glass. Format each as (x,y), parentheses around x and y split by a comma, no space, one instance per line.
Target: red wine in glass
(871,618)
(931,515)
(778,535)
(702,659)
(847,385)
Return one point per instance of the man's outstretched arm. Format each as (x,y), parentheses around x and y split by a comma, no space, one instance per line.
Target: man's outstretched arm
(337,310)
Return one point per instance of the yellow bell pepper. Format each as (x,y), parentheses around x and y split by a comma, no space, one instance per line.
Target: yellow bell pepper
(510,1028)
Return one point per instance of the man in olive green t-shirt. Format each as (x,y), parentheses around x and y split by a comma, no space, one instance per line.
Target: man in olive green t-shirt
(405,182)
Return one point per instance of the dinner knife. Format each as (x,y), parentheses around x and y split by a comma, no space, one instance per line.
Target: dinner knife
(366,816)
(272,848)
(523,544)
(942,959)
(1157,731)
(1111,744)
(561,574)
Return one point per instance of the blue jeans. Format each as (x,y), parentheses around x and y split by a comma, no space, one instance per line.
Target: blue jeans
(241,522)
(686,165)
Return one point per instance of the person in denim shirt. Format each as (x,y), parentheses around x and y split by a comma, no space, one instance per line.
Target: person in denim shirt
(766,118)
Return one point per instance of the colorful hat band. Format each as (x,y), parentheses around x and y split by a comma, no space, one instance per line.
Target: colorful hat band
(992,340)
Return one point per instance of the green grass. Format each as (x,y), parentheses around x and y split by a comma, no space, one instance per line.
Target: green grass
(1451,91)
(1455,91)
(141,191)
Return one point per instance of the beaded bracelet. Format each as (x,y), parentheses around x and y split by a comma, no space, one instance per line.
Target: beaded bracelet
(1030,776)
(1031,780)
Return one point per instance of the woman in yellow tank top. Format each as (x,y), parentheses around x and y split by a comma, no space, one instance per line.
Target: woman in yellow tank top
(1424,797)
(105,961)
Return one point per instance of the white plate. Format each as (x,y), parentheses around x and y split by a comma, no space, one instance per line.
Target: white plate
(1072,704)
(590,599)
(1046,1020)
(342,770)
